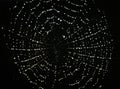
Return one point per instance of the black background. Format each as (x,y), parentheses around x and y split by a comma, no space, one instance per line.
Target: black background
(9,76)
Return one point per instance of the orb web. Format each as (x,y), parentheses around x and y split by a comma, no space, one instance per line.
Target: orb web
(60,44)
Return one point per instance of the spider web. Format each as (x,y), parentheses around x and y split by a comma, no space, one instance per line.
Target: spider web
(60,44)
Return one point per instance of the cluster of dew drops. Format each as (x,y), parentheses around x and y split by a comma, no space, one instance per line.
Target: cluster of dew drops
(55,41)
